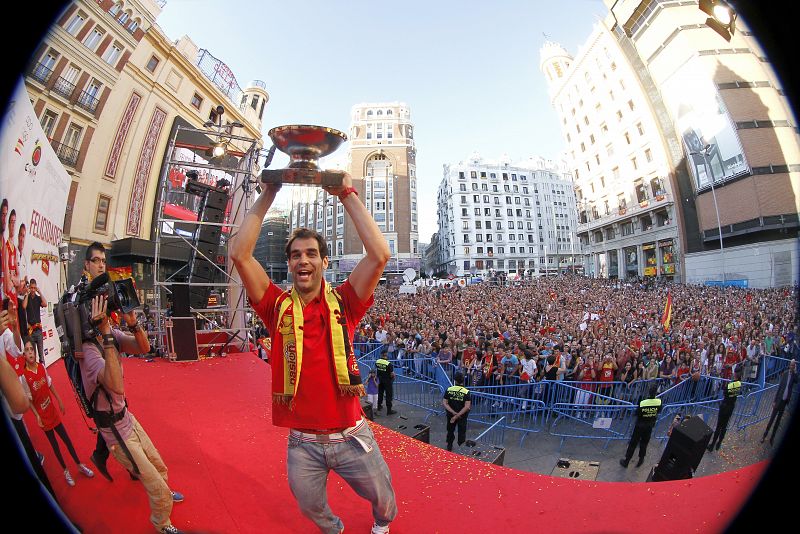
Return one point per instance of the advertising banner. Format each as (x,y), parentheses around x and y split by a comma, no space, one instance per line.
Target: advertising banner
(33,188)
(701,119)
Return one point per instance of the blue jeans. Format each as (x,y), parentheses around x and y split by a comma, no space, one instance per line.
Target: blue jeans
(309,463)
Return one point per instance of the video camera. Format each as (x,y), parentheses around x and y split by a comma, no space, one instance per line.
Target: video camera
(73,313)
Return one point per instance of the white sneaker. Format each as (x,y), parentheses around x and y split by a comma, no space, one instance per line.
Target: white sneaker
(377,529)
(68,477)
(85,470)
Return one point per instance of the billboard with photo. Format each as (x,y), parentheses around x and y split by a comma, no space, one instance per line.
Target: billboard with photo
(701,118)
(34,188)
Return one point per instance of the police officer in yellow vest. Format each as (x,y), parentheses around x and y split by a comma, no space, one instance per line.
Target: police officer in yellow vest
(731,392)
(457,403)
(385,371)
(645,421)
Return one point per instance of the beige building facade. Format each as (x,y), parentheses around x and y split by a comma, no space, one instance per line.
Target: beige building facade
(110,90)
(382,162)
(626,207)
(723,95)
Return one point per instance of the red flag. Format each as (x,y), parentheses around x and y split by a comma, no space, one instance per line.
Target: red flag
(667,316)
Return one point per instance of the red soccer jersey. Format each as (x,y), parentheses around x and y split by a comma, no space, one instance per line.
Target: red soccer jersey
(40,391)
(17,363)
(317,404)
(607,373)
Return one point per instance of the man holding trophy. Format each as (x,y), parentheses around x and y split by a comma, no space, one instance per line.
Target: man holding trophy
(316,385)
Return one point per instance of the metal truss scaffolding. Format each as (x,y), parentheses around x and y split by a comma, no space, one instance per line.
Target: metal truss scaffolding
(174,230)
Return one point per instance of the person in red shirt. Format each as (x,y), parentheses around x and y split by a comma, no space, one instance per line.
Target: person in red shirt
(586,374)
(40,390)
(315,379)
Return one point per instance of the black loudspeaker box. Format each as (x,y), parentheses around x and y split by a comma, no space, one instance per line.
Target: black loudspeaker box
(216,200)
(420,432)
(484,452)
(212,215)
(180,301)
(207,233)
(183,339)
(684,450)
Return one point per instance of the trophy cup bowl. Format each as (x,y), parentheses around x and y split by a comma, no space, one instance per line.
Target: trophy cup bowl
(305,144)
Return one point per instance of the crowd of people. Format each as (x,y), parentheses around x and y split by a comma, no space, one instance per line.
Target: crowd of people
(581,329)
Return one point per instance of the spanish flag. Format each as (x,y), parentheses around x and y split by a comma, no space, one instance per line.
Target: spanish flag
(667,316)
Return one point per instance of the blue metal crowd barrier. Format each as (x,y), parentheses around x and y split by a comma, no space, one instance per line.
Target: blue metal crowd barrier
(576,410)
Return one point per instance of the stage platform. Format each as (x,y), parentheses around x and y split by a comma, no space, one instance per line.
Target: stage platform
(211,421)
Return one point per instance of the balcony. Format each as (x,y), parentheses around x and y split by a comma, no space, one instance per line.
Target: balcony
(63,88)
(67,154)
(87,102)
(41,73)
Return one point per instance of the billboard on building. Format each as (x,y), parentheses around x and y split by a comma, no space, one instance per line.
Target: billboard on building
(701,118)
(34,185)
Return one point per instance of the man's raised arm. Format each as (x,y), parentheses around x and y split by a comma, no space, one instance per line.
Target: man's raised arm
(241,246)
(367,273)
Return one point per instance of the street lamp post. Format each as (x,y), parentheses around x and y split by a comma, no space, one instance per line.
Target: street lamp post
(710,174)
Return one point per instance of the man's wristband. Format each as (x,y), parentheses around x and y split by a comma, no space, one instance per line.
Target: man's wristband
(109,340)
(135,328)
(346,192)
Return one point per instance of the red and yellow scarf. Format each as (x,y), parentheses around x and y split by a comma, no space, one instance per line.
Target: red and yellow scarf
(289,344)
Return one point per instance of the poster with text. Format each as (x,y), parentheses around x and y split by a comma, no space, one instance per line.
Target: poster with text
(33,188)
(702,120)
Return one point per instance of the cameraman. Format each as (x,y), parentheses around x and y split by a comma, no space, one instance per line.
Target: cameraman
(100,366)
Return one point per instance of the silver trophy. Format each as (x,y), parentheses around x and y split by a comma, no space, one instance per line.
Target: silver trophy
(305,144)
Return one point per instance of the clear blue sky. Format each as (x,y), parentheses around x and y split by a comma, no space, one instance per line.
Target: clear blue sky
(468,70)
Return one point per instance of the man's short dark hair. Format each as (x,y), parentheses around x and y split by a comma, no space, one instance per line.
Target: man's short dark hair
(33,281)
(458,377)
(304,233)
(94,247)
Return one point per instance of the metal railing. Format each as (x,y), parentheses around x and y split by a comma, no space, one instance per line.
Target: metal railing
(63,87)
(67,154)
(577,410)
(87,102)
(41,73)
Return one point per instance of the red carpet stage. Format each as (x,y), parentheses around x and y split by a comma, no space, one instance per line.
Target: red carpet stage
(211,422)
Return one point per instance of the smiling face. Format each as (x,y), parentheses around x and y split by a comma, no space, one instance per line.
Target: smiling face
(306,265)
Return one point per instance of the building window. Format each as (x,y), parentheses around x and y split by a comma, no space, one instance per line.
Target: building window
(112,53)
(48,122)
(197,101)
(75,23)
(152,64)
(101,214)
(93,39)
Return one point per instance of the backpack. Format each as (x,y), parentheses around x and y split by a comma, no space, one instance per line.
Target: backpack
(74,374)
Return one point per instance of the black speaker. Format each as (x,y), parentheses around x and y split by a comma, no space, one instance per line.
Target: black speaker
(217,200)
(207,233)
(481,451)
(209,250)
(210,214)
(684,450)
(180,301)
(198,297)
(420,432)
(203,271)
(183,339)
